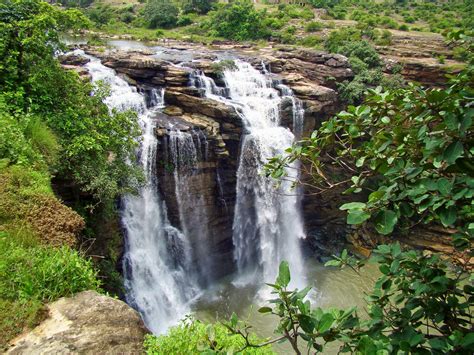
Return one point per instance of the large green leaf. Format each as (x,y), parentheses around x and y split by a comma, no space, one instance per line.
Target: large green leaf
(357,217)
(352,206)
(385,221)
(326,322)
(453,151)
(283,278)
(448,216)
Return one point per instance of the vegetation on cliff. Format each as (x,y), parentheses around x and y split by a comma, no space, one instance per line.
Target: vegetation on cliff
(50,126)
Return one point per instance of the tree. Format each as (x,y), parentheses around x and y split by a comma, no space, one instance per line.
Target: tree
(35,88)
(199,6)
(161,13)
(238,20)
(410,149)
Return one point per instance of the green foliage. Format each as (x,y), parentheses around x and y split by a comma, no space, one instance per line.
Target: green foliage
(313,26)
(161,13)
(295,11)
(238,20)
(49,117)
(411,148)
(365,62)
(101,14)
(194,337)
(18,316)
(198,6)
(221,66)
(184,20)
(42,273)
(417,306)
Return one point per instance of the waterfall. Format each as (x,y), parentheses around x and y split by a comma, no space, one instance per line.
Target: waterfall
(186,150)
(267,223)
(157,259)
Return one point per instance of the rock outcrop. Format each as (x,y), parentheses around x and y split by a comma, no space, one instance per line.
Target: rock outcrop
(88,323)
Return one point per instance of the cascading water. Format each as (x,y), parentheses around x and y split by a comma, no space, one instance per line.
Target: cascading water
(186,150)
(157,255)
(267,222)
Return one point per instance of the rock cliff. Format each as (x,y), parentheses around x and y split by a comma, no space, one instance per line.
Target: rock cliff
(310,74)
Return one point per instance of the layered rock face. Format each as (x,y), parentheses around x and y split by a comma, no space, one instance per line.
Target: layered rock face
(216,130)
(88,323)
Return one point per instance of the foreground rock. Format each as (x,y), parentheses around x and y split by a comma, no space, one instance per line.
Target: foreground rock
(88,323)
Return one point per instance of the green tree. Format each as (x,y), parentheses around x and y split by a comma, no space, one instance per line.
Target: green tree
(95,145)
(411,149)
(199,6)
(238,20)
(161,13)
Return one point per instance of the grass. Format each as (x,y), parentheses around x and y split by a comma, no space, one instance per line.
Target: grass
(18,316)
(194,337)
(36,265)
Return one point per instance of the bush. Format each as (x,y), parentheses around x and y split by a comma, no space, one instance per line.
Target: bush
(184,20)
(338,38)
(313,26)
(295,11)
(311,41)
(42,273)
(194,337)
(239,21)
(43,139)
(362,50)
(161,13)
(384,38)
(100,14)
(198,6)
(403,27)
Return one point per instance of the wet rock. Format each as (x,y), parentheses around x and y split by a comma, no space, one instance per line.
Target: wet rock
(88,323)
(72,59)
(173,110)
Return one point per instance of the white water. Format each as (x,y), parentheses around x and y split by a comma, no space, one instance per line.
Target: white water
(157,256)
(186,150)
(267,223)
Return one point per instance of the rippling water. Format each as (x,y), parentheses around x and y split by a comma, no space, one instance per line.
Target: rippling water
(331,288)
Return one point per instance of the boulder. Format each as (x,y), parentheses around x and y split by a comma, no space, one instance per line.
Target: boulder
(88,323)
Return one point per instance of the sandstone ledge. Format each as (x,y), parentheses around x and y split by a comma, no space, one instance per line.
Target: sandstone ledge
(88,323)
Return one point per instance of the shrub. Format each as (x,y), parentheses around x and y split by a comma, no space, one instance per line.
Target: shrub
(194,337)
(362,50)
(403,27)
(161,13)
(338,38)
(14,147)
(199,6)
(313,26)
(184,20)
(42,273)
(220,67)
(100,14)
(239,21)
(384,39)
(311,41)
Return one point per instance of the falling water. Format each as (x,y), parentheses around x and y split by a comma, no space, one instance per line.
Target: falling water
(186,150)
(267,223)
(157,255)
